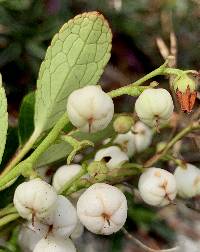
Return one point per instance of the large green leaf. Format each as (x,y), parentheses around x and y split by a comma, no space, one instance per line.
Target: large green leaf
(26,118)
(61,149)
(76,57)
(3,119)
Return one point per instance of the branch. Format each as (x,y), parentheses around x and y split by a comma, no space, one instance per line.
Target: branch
(180,135)
(143,246)
(26,167)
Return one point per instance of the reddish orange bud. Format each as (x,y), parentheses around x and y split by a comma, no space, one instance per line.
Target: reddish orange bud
(185,88)
(187,99)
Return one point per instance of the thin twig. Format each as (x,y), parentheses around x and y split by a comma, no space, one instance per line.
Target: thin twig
(144,247)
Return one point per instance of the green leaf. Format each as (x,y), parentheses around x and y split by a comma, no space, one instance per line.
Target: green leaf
(76,57)
(12,144)
(3,119)
(26,118)
(62,149)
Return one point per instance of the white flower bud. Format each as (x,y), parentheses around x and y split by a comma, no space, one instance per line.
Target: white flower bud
(61,222)
(136,140)
(34,198)
(90,109)
(102,209)
(28,239)
(157,187)
(142,136)
(188,181)
(64,174)
(44,173)
(78,231)
(55,244)
(113,157)
(154,106)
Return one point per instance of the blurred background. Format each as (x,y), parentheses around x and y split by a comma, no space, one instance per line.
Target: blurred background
(26,28)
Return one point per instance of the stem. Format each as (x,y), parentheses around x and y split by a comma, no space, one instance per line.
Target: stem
(114,176)
(144,247)
(21,153)
(125,89)
(63,190)
(129,90)
(25,167)
(180,135)
(8,218)
(51,138)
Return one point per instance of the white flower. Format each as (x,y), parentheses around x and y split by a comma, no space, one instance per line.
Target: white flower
(55,244)
(61,222)
(28,239)
(90,109)
(102,209)
(64,174)
(154,106)
(113,157)
(136,140)
(34,198)
(157,187)
(188,181)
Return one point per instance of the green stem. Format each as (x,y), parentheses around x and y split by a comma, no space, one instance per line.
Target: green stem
(8,218)
(180,135)
(63,190)
(113,177)
(51,138)
(133,89)
(25,167)
(21,153)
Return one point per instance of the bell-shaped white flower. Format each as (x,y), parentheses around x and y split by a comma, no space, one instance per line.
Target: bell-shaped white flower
(188,181)
(136,140)
(55,244)
(34,198)
(157,187)
(61,222)
(90,109)
(154,106)
(28,239)
(64,174)
(113,156)
(102,209)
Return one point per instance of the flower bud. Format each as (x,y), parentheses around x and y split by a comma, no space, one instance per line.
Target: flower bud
(90,109)
(157,187)
(61,222)
(136,140)
(154,107)
(64,174)
(55,244)
(112,156)
(185,89)
(123,124)
(97,170)
(102,209)
(188,181)
(34,198)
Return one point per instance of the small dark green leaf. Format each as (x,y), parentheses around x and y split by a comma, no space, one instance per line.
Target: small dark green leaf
(26,118)
(12,144)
